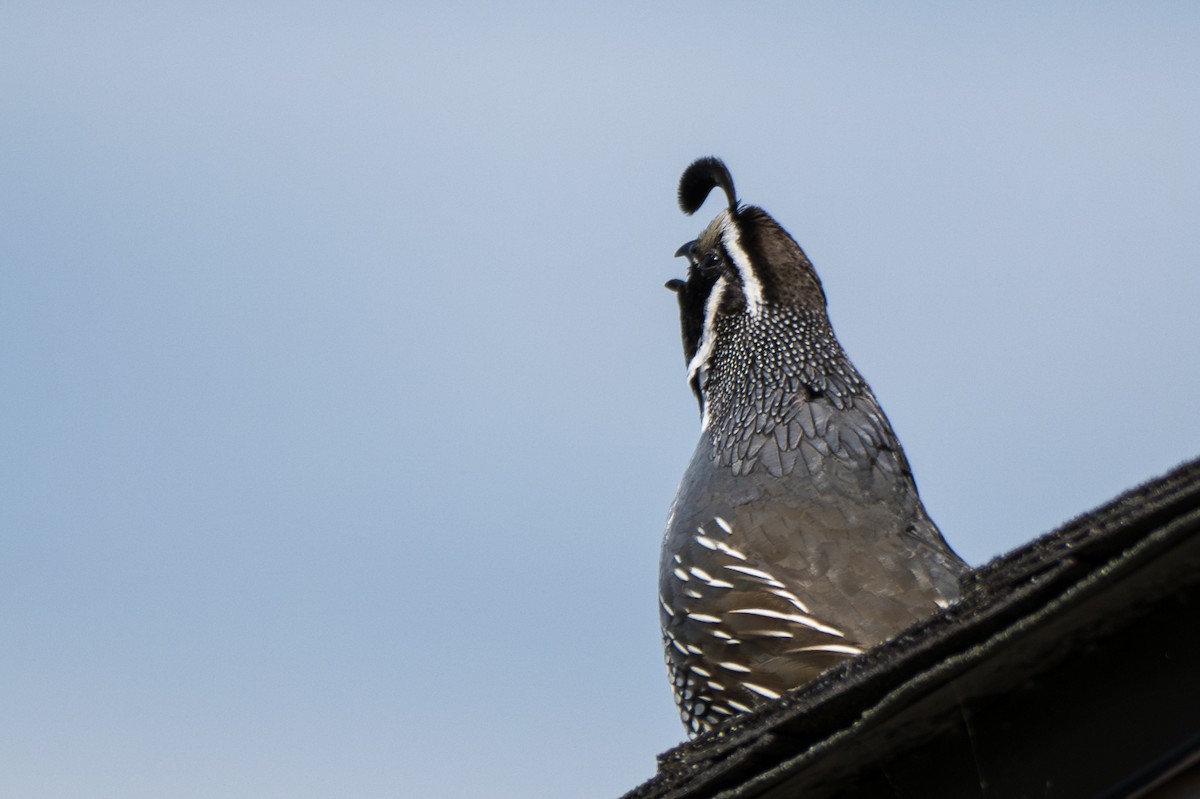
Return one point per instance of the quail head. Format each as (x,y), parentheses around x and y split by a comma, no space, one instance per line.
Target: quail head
(797,538)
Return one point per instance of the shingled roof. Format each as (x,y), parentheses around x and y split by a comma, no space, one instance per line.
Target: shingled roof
(1070,667)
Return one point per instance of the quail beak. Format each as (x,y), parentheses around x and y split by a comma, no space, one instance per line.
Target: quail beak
(687,251)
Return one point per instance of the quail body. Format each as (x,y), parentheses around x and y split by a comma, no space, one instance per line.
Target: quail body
(797,538)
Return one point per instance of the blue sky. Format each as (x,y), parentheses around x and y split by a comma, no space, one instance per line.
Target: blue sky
(343,404)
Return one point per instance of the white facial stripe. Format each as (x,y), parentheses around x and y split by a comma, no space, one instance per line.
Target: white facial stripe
(751,286)
(707,338)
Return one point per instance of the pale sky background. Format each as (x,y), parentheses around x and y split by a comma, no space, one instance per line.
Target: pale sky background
(343,405)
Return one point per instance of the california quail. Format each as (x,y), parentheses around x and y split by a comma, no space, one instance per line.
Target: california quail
(797,538)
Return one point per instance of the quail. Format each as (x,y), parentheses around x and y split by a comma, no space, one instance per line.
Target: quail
(797,538)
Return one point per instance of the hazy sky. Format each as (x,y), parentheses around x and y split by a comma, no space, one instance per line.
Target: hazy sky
(343,405)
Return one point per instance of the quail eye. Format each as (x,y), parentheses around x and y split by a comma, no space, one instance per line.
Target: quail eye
(710,263)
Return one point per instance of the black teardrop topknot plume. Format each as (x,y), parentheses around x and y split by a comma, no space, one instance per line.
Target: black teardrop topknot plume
(699,179)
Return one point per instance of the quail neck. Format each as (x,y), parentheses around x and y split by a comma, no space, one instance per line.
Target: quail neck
(797,538)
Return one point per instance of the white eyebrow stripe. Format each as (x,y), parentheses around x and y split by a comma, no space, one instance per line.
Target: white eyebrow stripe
(806,621)
(751,286)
